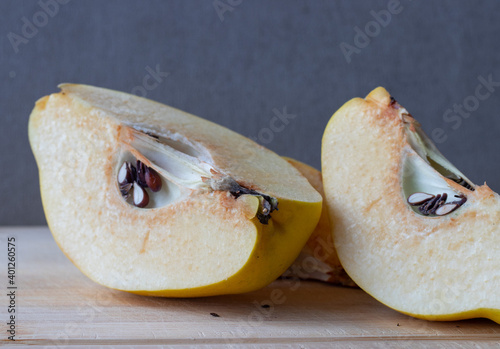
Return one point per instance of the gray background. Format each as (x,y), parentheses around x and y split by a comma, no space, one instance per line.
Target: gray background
(236,68)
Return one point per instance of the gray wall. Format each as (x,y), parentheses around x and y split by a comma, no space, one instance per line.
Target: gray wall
(236,67)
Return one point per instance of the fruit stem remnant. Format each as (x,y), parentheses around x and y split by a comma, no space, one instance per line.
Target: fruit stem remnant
(267,203)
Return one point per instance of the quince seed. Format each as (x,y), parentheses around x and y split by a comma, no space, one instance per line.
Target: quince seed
(141,174)
(141,197)
(153,179)
(417,199)
(125,174)
(445,209)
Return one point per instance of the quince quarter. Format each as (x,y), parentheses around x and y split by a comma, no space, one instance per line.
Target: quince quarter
(145,198)
(410,229)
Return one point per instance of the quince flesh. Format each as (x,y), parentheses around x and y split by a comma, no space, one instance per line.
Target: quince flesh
(229,216)
(431,261)
(318,259)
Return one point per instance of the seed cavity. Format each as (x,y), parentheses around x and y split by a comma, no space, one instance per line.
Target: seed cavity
(435,205)
(427,150)
(427,174)
(134,181)
(180,168)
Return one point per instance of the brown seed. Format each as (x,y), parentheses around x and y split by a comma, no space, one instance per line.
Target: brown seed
(435,204)
(133,170)
(416,199)
(141,197)
(461,181)
(153,179)
(141,172)
(463,200)
(440,202)
(125,174)
(445,209)
(428,207)
(444,197)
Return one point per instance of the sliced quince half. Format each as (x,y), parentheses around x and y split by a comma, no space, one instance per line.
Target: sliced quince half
(410,228)
(145,198)
(318,259)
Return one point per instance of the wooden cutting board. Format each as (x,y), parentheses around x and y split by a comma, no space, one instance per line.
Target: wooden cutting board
(57,305)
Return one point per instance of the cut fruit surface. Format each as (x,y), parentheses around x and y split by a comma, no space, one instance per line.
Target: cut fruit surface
(318,259)
(410,229)
(148,199)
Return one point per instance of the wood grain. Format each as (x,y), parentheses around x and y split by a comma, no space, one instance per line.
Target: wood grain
(58,305)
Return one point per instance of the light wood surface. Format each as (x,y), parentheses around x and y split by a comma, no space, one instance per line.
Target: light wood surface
(58,306)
